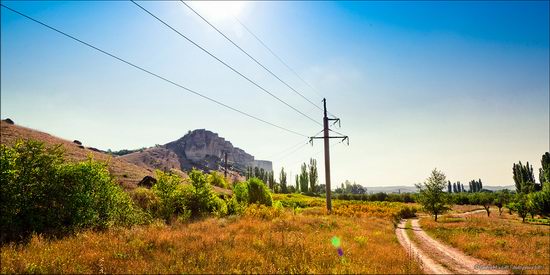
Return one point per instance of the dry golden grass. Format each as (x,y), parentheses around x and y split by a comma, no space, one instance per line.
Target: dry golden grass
(501,240)
(286,244)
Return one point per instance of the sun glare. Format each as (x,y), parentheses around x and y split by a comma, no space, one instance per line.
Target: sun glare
(219,10)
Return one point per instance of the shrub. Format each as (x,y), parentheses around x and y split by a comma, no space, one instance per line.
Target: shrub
(147,200)
(217,179)
(240,192)
(199,197)
(258,192)
(234,207)
(171,193)
(42,194)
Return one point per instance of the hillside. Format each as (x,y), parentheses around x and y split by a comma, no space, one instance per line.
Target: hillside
(126,173)
(201,149)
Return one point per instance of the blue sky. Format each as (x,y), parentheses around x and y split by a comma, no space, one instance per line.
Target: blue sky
(461,86)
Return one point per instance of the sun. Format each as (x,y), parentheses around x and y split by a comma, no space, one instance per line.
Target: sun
(219,10)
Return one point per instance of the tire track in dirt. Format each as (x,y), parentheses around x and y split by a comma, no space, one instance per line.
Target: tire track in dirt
(436,257)
(428,264)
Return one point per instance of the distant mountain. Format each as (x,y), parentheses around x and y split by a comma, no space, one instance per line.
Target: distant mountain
(412,189)
(391,189)
(201,149)
(497,188)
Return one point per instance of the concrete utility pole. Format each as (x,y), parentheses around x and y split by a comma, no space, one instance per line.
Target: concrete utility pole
(225,172)
(327,156)
(326,138)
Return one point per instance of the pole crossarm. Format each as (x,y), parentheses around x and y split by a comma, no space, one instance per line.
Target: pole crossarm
(344,138)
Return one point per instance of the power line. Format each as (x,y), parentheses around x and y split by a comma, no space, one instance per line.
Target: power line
(283,154)
(224,63)
(279,58)
(286,150)
(319,152)
(250,56)
(292,152)
(151,73)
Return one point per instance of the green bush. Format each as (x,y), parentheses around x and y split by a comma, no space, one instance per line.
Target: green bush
(240,192)
(258,192)
(171,193)
(42,194)
(217,179)
(234,207)
(147,200)
(182,201)
(200,197)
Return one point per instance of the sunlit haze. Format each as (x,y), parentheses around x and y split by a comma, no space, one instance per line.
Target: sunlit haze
(461,86)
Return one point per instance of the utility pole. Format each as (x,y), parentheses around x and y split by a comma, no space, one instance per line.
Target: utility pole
(225,172)
(326,138)
(327,156)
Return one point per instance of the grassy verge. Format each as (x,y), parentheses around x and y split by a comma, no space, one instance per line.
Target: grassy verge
(284,243)
(500,240)
(408,228)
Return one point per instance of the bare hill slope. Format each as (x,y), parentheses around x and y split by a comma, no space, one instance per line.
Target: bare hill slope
(126,173)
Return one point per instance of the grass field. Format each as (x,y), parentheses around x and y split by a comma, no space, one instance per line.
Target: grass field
(501,240)
(263,240)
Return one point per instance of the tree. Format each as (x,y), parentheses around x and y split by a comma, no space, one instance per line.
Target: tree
(304,178)
(475,185)
(502,198)
(544,171)
(449,190)
(484,199)
(524,178)
(313,175)
(297,189)
(454,187)
(480,186)
(471,187)
(282,181)
(540,201)
(520,205)
(431,197)
(291,189)
(270,179)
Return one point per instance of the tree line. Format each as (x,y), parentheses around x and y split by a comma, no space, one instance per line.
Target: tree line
(529,198)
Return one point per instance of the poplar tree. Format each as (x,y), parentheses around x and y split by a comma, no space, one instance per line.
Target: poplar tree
(524,178)
(313,175)
(282,181)
(304,178)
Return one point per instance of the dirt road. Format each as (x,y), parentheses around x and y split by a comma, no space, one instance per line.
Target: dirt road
(436,257)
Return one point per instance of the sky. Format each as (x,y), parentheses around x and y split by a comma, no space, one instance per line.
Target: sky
(458,86)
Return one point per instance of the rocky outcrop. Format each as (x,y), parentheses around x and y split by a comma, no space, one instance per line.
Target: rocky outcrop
(9,121)
(147,182)
(201,149)
(263,164)
(206,150)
